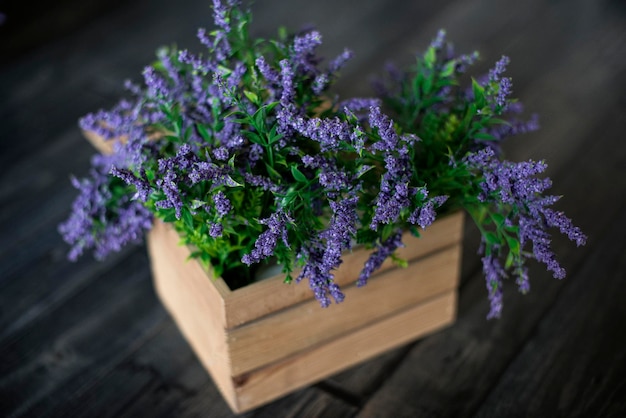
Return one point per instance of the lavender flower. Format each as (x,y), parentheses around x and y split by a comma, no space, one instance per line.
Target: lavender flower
(493,276)
(216,230)
(266,242)
(320,278)
(340,232)
(141,183)
(337,63)
(320,83)
(515,184)
(384,125)
(522,281)
(331,133)
(504,83)
(439,40)
(303,51)
(168,185)
(262,182)
(205,171)
(221,153)
(334,180)
(424,216)
(220,15)
(155,83)
(271,75)
(376,259)
(222,204)
(94,223)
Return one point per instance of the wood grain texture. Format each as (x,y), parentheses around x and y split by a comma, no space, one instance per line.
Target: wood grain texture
(255,344)
(268,383)
(580,370)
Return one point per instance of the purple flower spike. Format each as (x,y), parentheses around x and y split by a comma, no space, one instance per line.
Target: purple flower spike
(493,276)
(222,204)
(141,184)
(337,63)
(266,242)
(216,230)
(268,72)
(383,251)
(388,135)
(439,40)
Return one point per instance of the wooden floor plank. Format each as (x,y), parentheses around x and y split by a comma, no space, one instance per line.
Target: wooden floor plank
(61,354)
(163,378)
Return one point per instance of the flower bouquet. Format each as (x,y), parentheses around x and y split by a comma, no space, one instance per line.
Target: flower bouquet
(255,165)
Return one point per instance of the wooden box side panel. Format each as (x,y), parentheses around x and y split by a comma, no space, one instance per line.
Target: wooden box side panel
(194,304)
(99,143)
(269,383)
(306,325)
(271,295)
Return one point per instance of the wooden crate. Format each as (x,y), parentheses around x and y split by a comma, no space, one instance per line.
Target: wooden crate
(268,339)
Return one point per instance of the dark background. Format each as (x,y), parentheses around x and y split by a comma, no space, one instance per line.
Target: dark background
(91,339)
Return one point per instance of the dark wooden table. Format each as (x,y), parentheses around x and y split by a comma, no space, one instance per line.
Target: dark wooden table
(91,339)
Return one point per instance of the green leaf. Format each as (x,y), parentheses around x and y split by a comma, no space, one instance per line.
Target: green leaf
(230,182)
(491,238)
(251,96)
(363,172)
(272,172)
(399,261)
(498,218)
(231,161)
(269,107)
(428,84)
(479,94)
(187,218)
(289,198)
(195,204)
(259,120)
(484,136)
(170,217)
(430,57)
(297,174)
(510,259)
(252,136)
(448,69)
(514,245)
(203,132)
(188,132)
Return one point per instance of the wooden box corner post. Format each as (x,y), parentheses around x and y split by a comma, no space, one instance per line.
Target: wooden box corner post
(268,339)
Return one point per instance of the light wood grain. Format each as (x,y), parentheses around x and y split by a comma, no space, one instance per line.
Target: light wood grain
(306,324)
(195,304)
(295,372)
